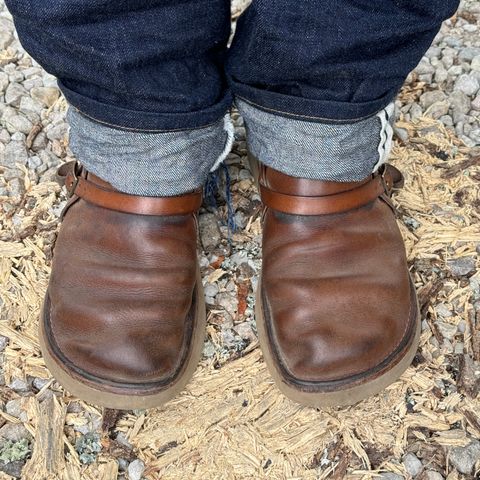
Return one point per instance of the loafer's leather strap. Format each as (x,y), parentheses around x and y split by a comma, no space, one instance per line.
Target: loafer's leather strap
(381,185)
(76,181)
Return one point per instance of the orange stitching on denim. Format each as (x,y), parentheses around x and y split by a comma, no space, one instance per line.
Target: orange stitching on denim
(347,120)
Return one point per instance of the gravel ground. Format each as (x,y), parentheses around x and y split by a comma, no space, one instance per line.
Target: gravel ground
(33,142)
(450,71)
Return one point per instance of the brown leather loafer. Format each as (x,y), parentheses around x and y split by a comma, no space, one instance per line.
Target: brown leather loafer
(124,318)
(337,312)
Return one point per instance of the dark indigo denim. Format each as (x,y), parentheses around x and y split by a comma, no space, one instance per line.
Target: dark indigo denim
(159,64)
(138,64)
(330,60)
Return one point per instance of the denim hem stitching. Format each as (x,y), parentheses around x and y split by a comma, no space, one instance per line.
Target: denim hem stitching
(308,117)
(133,129)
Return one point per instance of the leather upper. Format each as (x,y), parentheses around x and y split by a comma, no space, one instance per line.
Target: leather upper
(121,292)
(336,290)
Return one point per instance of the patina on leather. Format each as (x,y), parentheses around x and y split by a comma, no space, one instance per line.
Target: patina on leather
(120,306)
(337,298)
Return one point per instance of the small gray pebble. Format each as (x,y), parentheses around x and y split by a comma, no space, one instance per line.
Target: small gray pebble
(15,152)
(460,105)
(429,98)
(209,231)
(228,338)
(438,109)
(455,70)
(424,67)
(3,81)
(245,331)
(49,158)
(416,111)
(447,120)
(14,432)
(13,469)
(467,84)
(447,60)
(18,137)
(470,28)
(462,266)
(42,169)
(29,105)
(16,186)
(209,350)
(4,136)
(32,72)
(464,458)
(40,142)
(467,54)
(426,78)
(433,52)
(16,122)
(14,408)
(57,132)
(34,162)
(49,80)
(16,77)
(475,136)
(475,65)
(391,476)
(19,385)
(122,464)
(412,464)
(32,83)
(448,330)
(136,469)
(476,103)
(453,42)
(14,93)
(443,311)
(432,475)
(39,383)
(211,289)
(122,439)
(441,75)
(401,133)
(3,342)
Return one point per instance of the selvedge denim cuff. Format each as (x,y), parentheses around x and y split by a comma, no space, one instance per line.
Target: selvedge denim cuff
(319,151)
(115,116)
(150,164)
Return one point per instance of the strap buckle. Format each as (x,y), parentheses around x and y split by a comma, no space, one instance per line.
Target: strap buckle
(390,177)
(386,179)
(68,175)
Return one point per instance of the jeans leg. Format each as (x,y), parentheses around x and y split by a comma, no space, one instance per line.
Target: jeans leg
(150,164)
(145,82)
(315,79)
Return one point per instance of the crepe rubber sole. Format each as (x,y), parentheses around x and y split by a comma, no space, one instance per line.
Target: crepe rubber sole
(124,396)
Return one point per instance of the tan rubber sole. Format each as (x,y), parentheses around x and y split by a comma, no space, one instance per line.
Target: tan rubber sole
(99,396)
(345,396)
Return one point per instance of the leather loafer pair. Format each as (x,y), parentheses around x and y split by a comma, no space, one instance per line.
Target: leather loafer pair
(123,321)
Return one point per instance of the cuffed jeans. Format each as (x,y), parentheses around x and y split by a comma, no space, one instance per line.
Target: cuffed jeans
(150,82)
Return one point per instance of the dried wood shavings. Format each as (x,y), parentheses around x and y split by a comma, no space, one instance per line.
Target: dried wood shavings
(231,422)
